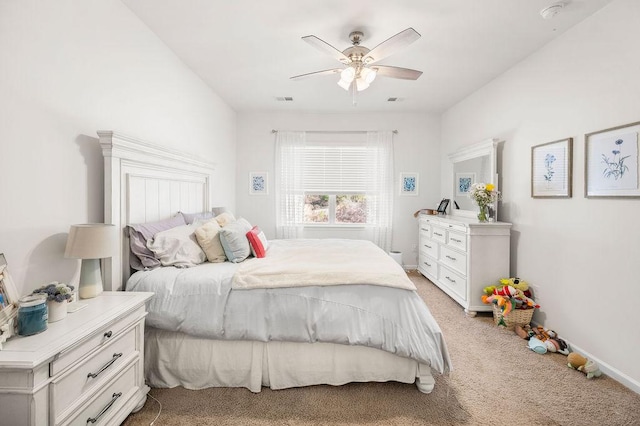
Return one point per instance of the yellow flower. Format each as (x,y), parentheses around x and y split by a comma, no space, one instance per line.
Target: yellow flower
(490,187)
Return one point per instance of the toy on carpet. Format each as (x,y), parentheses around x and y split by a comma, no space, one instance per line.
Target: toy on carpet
(543,336)
(586,366)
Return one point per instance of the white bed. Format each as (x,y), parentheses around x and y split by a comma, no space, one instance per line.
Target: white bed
(144,183)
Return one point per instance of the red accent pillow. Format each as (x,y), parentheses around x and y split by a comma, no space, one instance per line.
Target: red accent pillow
(257,241)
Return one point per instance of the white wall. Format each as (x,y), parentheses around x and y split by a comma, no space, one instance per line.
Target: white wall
(67,69)
(416,149)
(581,255)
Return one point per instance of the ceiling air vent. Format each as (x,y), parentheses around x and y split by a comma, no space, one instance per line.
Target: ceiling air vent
(284,99)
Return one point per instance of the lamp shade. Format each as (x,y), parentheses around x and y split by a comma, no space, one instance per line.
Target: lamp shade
(91,241)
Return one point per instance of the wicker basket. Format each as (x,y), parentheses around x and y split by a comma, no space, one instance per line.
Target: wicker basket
(513,318)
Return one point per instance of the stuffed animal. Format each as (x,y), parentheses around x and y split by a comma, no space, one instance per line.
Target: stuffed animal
(537,345)
(516,283)
(551,340)
(586,366)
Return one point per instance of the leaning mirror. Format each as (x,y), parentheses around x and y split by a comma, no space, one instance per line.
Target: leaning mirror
(474,163)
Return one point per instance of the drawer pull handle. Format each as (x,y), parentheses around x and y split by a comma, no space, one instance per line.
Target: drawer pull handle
(104,367)
(427,246)
(114,398)
(108,334)
(451,258)
(457,241)
(424,229)
(439,235)
(453,281)
(427,264)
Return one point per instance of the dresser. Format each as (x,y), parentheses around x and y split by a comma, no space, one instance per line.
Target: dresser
(462,256)
(84,369)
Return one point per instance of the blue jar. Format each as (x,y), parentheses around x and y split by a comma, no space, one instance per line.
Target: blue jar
(32,314)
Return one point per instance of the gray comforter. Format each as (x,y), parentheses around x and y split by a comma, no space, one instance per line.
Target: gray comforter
(200,301)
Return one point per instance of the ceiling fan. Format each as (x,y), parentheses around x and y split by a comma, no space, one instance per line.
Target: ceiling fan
(360,62)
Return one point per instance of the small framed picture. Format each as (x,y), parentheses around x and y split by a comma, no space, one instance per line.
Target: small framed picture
(611,162)
(258,183)
(442,207)
(464,182)
(551,165)
(408,183)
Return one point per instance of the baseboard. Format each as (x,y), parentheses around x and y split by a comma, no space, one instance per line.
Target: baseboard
(607,369)
(410,267)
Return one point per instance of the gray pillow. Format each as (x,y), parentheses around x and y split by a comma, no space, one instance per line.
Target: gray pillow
(233,237)
(177,247)
(192,217)
(141,257)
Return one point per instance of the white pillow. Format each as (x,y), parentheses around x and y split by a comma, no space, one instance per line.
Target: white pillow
(208,236)
(177,247)
(225,218)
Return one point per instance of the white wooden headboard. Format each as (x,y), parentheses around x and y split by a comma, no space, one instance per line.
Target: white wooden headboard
(144,182)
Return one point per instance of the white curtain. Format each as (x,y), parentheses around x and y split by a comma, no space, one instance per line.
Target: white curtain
(380,153)
(289,181)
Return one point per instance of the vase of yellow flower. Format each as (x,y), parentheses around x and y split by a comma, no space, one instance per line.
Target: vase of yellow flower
(484,194)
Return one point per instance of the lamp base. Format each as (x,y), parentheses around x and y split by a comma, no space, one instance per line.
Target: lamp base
(90,279)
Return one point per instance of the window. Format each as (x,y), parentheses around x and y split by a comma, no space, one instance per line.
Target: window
(334,179)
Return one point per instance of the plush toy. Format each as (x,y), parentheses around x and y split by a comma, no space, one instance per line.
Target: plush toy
(537,345)
(516,283)
(551,340)
(586,366)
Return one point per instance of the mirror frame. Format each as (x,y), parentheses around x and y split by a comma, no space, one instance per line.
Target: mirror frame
(487,147)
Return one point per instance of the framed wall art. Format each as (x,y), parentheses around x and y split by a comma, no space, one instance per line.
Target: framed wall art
(551,165)
(611,162)
(408,183)
(464,182)
(258,183)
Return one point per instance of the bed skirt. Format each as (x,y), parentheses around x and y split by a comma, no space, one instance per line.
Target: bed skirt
(176,359)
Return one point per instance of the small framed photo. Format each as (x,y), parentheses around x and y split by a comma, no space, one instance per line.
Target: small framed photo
(442,207)
(611,162)
(464,182)
(258,183)
(551,165)
(408,183)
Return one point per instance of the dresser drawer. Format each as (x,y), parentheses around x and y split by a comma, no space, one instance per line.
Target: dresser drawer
(457,240)
(428,265)
(109,400)
(94,342)
(424,229)
(453,281)
(428,247)
(454,260)
(93,372)
(439,234)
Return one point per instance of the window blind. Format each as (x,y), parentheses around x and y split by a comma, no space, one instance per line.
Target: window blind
(335,169)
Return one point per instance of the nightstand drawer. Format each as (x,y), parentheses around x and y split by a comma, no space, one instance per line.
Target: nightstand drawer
(429,247)
(425,230)
(453,281)
(109,401)
(454,259)
(95,341)
(93,372)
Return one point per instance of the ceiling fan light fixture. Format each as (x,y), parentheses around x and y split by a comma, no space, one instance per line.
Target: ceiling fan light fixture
(361,84)
(348,74)
(344,84)
(368,75)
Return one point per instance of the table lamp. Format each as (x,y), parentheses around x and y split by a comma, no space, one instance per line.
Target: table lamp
(90,242)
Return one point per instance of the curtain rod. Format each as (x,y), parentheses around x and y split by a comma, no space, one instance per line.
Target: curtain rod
(395,132)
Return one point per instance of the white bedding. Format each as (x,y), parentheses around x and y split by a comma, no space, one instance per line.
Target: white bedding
(199,301)
(304,262)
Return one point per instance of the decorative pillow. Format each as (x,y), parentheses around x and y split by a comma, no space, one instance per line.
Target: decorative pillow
(177,247)
(257,241)
(225,218)
(233,237)
(139,234)
(208,236)
(189,218)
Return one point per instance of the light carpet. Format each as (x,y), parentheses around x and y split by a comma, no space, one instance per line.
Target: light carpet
(497,380)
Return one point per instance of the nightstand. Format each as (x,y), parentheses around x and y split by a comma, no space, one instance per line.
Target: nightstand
(88,366)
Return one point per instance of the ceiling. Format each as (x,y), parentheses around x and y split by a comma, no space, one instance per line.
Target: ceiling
(247,50)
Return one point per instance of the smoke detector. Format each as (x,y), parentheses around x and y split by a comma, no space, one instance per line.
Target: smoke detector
(552,10)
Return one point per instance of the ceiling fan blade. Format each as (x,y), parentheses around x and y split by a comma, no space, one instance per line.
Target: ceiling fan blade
(391,45)
(326,48)
(397,72)
(312,74)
